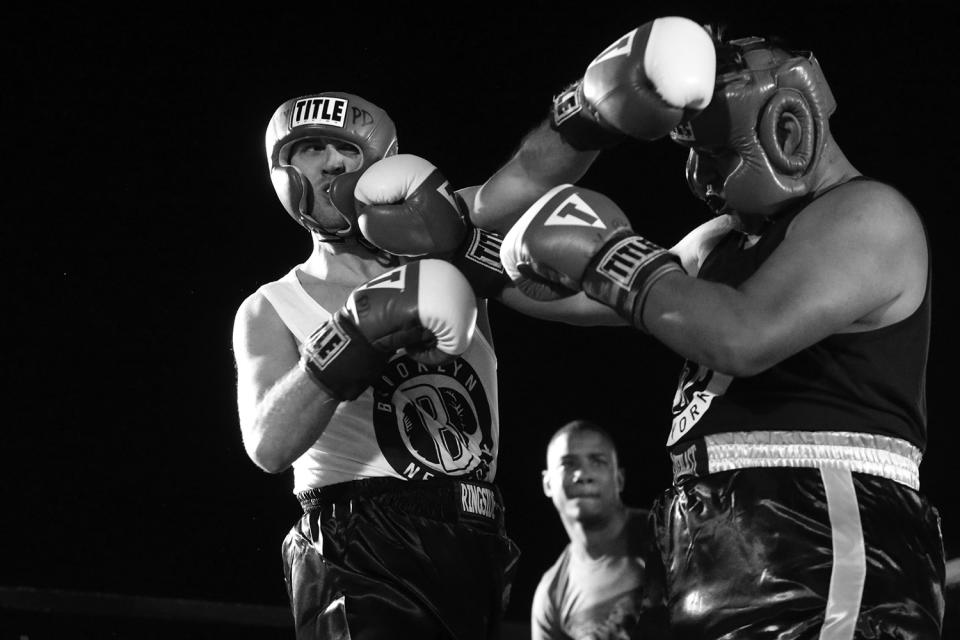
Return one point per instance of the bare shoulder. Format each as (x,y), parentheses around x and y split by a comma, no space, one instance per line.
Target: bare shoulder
(875,210)
(869,234)
(254,309)
(256,324)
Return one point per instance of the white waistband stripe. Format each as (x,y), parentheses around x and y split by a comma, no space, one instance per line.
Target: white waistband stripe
(882,456)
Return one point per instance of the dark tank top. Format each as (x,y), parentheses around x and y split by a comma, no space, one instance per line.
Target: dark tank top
(868,382)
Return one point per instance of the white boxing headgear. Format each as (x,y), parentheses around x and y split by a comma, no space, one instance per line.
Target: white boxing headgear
(340,116)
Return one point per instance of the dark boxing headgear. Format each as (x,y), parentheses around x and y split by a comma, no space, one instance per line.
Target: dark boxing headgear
(760,88)
(340,116)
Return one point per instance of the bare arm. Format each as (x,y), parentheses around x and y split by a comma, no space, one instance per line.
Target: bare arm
(855,260)
(543,161)
(282,409)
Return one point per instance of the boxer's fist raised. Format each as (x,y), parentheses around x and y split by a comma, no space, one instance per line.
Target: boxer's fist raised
(653,77)
(406,207)
(546,252)
(575,239)
(644,84)
(426,308)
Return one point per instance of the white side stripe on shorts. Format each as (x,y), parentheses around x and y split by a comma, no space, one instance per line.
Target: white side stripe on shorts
(849,557)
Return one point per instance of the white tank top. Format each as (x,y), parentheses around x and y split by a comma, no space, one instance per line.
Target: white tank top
(415,422)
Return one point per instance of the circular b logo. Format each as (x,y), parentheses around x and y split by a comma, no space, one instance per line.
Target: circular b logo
(433,420)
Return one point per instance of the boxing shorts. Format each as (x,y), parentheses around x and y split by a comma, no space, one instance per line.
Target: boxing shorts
(768,538)
(383,557)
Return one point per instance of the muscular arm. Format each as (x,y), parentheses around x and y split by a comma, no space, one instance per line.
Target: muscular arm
(282,409)
(855,260)
(543,161)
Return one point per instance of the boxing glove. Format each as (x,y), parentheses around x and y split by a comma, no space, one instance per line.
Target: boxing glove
(341,194)
(418,214)
(425,308)
(643,85)
(574,239)
(578,124)
(406,207)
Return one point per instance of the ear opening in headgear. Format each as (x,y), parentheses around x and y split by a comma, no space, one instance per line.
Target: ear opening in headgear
(781,106)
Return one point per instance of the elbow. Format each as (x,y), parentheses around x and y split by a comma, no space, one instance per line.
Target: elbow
(740,354)
(271,465)
(268,458)
(738,366)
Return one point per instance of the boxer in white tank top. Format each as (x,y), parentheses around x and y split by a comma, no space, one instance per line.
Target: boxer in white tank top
(403,527)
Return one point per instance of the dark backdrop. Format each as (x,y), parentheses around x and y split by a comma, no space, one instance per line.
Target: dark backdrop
(139,215)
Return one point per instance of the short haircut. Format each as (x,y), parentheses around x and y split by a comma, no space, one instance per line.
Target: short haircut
(580,425)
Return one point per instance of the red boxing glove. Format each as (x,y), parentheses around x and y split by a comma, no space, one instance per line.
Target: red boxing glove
(547,251)
(426,308)
(341,194)
(574,239)
(577,122)
(643,85)
(406,207)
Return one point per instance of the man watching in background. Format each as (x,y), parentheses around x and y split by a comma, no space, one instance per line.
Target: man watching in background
(593,589)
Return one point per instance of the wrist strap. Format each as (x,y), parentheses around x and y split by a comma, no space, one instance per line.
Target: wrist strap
(621,274)
(340,358)
(571,117)
(478,258)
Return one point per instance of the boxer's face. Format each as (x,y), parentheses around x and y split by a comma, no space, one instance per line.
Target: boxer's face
(321,160)
(707,173)
(583,478)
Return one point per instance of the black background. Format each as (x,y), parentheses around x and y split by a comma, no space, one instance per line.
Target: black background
(139,214)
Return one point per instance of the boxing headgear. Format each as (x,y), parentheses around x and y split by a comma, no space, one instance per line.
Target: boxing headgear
(340,116)
(759,87)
